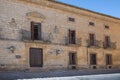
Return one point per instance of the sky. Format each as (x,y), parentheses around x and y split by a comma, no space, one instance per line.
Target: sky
(109,7)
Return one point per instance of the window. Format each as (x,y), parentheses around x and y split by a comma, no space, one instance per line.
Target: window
(93,59)
(106,27)
(35,31)
(91,39)
(108,59)
(72,37)
(71,19)
(91,23)
(107,41)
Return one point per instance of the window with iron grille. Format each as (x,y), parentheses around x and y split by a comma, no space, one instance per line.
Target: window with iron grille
(35,31)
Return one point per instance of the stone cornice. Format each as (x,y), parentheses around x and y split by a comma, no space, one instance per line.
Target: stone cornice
(73,9)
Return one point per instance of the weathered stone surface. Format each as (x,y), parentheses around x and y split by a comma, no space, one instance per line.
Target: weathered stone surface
(15,31)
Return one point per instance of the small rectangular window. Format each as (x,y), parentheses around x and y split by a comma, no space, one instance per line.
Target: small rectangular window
(106,27)
(91,23)
(71,19)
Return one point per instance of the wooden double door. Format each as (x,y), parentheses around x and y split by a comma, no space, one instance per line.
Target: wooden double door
(36,57)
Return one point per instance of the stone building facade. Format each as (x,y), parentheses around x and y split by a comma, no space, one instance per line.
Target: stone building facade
(47,34)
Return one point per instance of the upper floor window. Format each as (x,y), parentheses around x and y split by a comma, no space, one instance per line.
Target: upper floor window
(106,27)
(72,36)
(35,31)
(91,23)
(107,41)
(91,39)
(71,19)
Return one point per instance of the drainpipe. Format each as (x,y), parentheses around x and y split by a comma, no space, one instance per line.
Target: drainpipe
(87,55)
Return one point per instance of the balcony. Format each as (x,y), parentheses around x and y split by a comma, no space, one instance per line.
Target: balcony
(45,37)
(94,43)
(111,45)
(75,42)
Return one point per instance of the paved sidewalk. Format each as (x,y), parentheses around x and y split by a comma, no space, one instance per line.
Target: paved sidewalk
(58,73)
(114,76)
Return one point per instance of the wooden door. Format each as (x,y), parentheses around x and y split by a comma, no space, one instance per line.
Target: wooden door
(36,57)
(108,59)
(93,60)
(72,58)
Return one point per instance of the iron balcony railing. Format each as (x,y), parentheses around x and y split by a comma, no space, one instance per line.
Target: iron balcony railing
(48,38)
(45,37)
(76,41)
(110,45)
(94,43)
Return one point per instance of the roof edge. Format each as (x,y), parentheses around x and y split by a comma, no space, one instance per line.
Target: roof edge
(84,9)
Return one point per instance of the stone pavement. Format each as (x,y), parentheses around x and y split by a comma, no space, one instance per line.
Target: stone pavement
(14,75)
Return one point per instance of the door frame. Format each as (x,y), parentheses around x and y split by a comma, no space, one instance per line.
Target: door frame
(106,56)
(75,58)
(41,55)
(90,58)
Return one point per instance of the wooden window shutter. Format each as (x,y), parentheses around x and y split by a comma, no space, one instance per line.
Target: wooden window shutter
(69,36)
(108,59)
(92,38)
(39,31)
(70,58)
(107,41)
(32,30)
(72,37)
